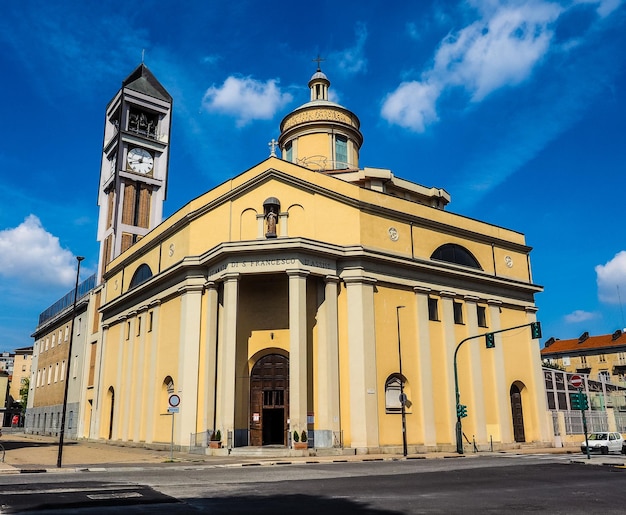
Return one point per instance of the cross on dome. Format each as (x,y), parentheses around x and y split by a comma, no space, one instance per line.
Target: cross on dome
(318,59)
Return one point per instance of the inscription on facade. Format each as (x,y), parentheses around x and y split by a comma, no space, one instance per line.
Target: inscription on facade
(248,264)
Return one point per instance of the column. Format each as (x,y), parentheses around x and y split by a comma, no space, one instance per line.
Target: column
(210,357)
(188,360)
(297,350)
(226,357)
(501,390)
(425,367)
(362,362)
(327,380)
(476,404)
(447,310)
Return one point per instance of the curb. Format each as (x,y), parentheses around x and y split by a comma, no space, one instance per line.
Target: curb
(267,463)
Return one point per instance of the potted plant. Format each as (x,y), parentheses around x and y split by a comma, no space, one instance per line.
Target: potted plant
(215,441)
(297,444)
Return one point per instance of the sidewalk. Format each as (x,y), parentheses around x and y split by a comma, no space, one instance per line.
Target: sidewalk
(26,453)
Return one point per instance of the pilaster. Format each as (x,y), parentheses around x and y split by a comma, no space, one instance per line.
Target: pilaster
(154,382)
(447,310)
(189,358)
(501,390)
(425,367)
(362,356)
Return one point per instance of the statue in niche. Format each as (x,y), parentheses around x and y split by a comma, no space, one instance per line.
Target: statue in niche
(270,218)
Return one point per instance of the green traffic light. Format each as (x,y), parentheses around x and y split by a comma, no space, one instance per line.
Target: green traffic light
(535,330)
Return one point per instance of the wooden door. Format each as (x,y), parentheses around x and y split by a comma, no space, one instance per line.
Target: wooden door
(269,400)
(517,414)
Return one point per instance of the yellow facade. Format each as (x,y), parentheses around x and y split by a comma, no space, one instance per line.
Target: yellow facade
(341,283)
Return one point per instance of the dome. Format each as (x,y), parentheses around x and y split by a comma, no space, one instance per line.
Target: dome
(319,74)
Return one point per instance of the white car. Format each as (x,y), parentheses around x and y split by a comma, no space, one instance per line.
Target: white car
(603,442)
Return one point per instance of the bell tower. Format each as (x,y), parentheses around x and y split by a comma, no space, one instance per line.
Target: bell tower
(135,155)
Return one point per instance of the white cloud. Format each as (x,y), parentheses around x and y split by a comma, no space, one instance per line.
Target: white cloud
(246,99)
(412,105)
(352,60)
(30,254)
(611,279)
(579,316)
(605,7)
(499,49)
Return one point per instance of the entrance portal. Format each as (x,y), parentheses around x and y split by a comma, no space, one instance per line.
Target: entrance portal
(517,414)
(269,400)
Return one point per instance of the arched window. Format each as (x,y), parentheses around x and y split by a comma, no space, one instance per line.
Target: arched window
(142,274)
(452,253)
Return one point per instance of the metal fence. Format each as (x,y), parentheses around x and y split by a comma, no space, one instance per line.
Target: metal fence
(596,421)
(198,442)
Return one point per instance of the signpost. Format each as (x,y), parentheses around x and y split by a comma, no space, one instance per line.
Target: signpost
(174,404)
(576,381)
(579,401)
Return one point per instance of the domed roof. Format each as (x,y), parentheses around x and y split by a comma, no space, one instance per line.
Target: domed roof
(319,74)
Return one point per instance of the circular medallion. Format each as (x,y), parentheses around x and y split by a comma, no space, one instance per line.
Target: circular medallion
(171,250)
(509,261)
(393,234)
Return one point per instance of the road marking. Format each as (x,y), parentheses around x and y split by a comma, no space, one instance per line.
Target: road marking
(114,495)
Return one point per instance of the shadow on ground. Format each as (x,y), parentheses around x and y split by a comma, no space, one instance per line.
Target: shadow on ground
(10,445)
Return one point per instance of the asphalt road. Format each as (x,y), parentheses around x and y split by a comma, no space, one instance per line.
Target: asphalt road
(521,484)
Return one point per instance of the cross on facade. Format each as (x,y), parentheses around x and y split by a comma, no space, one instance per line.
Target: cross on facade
(318,59)
(273,144)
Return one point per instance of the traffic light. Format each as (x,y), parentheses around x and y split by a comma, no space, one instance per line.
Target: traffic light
(584,402)
(490,340)
(535,330)
(461,411)
(576,401)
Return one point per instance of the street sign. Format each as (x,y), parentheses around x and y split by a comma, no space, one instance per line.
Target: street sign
(173,409)
(174,400)
(576,381)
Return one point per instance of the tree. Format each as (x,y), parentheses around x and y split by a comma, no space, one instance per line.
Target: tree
(24,393)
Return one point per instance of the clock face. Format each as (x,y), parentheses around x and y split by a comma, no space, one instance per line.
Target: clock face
(140,160)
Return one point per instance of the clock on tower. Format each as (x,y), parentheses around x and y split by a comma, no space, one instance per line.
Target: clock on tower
(134,170)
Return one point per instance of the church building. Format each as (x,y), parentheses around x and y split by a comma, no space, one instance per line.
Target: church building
(306,296)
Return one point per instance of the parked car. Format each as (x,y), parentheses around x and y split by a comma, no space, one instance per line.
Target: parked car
(604,442)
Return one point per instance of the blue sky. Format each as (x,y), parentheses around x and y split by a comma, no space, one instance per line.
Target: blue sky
(516,108)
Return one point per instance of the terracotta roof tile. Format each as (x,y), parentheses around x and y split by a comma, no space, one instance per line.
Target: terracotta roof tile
(592,343)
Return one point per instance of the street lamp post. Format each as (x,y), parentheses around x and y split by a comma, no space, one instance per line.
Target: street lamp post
(67,369)
(402,396)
